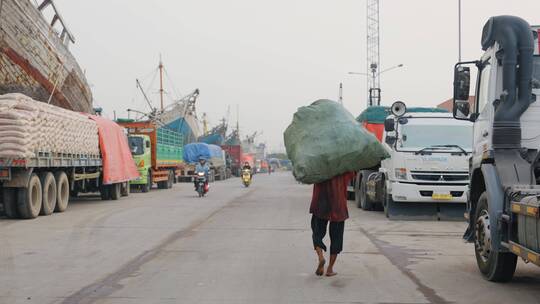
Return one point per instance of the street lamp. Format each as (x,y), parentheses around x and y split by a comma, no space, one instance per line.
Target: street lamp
(374,75)
(383,71)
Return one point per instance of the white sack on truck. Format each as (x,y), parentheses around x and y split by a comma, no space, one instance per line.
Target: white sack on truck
(28,127)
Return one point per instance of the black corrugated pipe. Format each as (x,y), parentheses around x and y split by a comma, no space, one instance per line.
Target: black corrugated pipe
(515,37)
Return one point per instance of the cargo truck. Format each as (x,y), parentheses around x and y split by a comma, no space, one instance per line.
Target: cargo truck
(213,154)
(42,181)
(426,176)
(235,152)
(503,206)
(157,152)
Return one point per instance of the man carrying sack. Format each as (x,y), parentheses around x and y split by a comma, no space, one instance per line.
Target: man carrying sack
(329,204)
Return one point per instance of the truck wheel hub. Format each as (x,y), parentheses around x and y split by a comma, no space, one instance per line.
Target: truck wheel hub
(483,235)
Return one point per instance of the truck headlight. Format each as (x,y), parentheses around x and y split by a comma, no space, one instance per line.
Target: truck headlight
(401,173)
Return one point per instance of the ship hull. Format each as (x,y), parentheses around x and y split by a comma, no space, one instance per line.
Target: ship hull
(34,60)
(183,121)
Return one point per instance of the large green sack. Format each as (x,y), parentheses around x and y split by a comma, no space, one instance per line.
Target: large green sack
(324,140)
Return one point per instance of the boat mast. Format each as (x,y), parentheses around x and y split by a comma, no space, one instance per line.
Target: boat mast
(161,82)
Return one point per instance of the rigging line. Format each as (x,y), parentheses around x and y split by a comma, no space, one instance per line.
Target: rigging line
(171,83)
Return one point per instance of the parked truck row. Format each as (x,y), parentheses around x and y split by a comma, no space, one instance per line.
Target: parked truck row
(42,180)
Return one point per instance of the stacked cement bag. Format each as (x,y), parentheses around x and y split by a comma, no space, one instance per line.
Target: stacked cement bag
(28,127)
(324,140)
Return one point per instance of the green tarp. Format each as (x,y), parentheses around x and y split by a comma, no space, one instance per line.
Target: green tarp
(377,114)
(324,140)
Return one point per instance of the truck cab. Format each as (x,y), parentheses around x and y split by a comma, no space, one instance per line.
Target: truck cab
(503,200)
(429,158)
(427,167)
(141,150)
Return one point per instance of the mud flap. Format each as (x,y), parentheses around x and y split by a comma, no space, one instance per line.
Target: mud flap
(426,211)
(452,212)
(412,211)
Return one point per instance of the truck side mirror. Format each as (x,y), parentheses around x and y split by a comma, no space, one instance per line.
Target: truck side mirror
(462,82)
(462,109)
(390,140)
(148,144)
(389,125)
(462,87)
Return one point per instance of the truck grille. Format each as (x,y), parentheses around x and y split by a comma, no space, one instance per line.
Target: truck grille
(435,176)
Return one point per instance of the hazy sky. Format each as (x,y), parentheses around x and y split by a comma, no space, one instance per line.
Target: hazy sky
(271,57)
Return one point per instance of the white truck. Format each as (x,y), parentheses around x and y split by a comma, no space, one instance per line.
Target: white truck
(426,176)
(503,207)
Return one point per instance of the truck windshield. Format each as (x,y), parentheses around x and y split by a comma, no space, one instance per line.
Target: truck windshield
(442,137)
(136,145)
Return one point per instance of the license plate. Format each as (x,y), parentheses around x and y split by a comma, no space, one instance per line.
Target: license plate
(442,197)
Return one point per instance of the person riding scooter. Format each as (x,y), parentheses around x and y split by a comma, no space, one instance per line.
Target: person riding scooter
(246,167)
(202,167)
(246,174)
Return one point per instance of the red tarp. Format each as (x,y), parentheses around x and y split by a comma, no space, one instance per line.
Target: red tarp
(375,129)
(248,158)
(118,164)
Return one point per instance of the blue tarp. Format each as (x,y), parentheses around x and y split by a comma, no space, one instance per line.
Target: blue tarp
(194,152)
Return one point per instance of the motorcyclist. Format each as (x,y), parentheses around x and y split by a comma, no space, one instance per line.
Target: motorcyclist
(246,167)
(202,166)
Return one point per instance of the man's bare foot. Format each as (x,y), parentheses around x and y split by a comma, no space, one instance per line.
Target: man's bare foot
(320,268)
(330,273)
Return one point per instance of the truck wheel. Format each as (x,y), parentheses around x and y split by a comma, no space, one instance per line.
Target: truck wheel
(387,202)
(105,191)
(62,192)
(494,266)
(148,186)
(365,202)
(357,190)
(116,191)
(30,199)
(125,189)
(48,184)
(9,198)
(170,181)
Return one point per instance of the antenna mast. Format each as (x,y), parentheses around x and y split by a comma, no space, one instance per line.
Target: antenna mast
(341,93)
(161,81)
(373,56)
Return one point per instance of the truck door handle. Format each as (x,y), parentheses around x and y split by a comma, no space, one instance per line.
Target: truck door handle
(485,134)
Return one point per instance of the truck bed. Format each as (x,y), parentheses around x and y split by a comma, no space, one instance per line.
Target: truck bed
(52,160)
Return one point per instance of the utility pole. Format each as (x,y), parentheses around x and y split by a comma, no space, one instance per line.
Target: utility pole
(459,30)
(373,56)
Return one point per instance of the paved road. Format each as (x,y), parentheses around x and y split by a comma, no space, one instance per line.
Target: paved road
(237,246)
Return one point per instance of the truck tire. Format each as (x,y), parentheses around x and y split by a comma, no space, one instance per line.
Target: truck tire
(148,186)
(30,199)
(116,191)
(125,189)
(170,181)
(494,266)
(9,198)
(62,191)
(48,185)
(105,192)
(363,200)
(387,203)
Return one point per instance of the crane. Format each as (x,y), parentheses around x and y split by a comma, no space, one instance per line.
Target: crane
(373,56)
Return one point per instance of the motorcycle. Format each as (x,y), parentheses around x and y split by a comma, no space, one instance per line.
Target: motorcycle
(246,178)
(201,184)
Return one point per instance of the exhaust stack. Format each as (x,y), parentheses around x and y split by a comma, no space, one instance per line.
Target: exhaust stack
(515,38)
